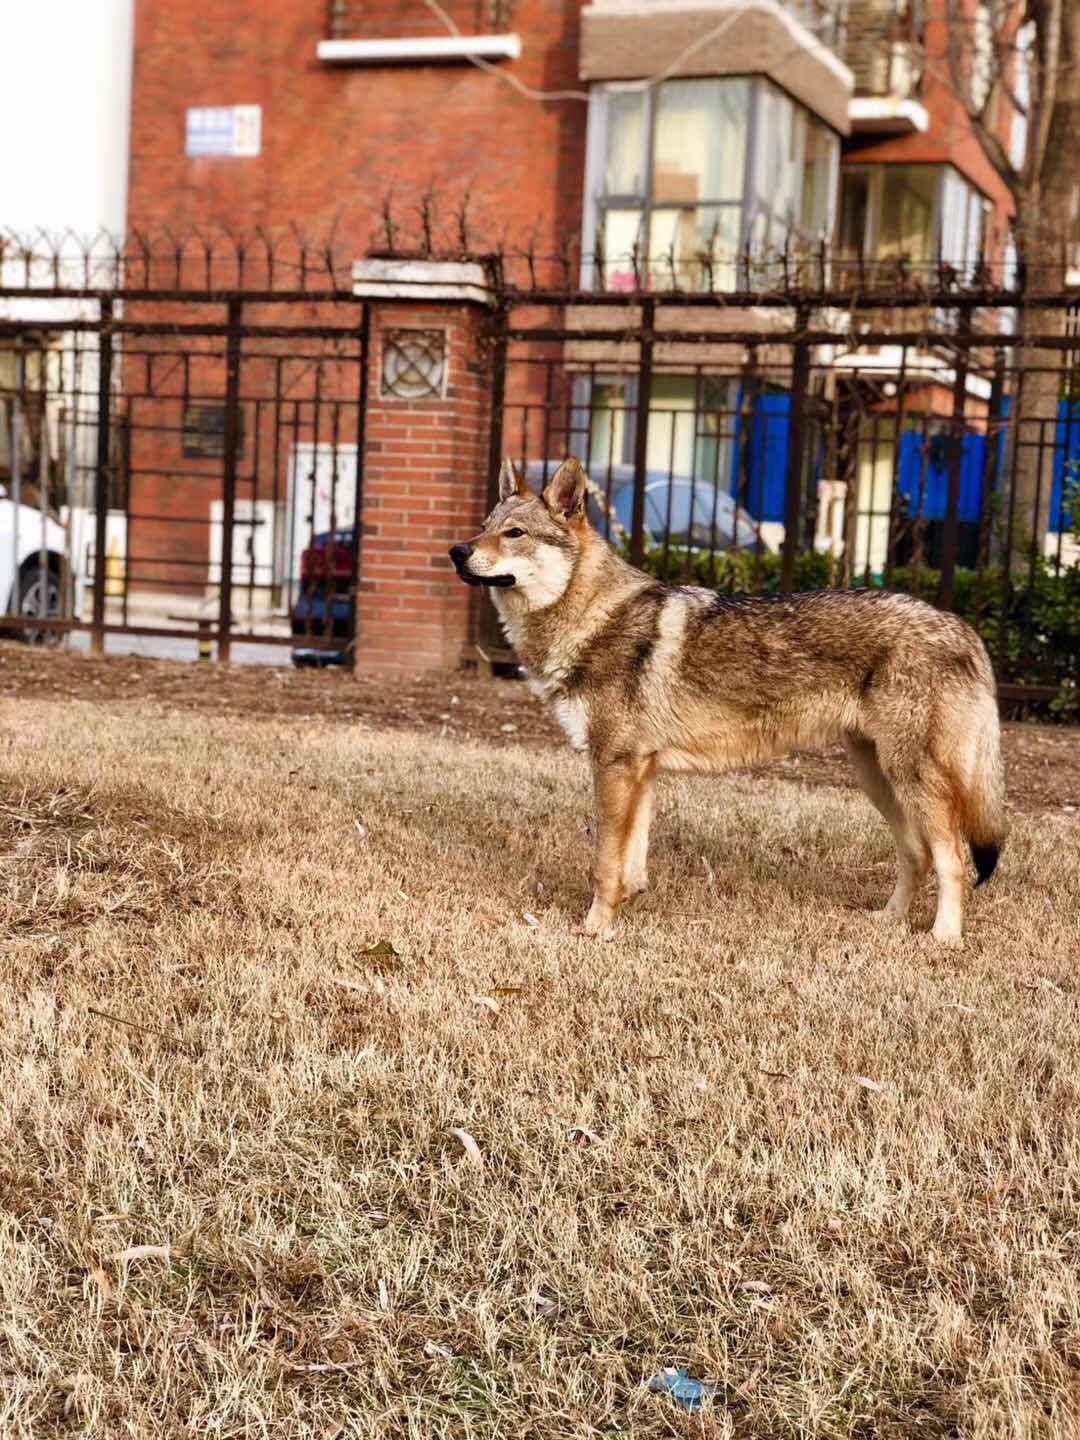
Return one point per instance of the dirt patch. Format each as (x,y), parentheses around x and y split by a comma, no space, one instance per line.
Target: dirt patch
(1043,760)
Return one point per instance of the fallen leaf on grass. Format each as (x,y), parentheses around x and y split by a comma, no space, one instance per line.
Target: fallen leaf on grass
(868,1084)
(378,1219)
(545,1307)
(756,1287)
(101,1280)
(530,919)
(70,1386)
(143,1252)
(382,957)
(578,1132)
(437,1352)
(469,1145)
(349,984)
(487,1002)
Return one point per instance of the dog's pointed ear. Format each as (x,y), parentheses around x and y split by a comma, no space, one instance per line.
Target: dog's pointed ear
(511,481)
(564,495)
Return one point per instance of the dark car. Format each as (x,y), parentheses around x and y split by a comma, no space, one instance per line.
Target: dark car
(686,511)
(324,609)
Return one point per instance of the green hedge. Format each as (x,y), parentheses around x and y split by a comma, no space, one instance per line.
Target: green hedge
(1030,622)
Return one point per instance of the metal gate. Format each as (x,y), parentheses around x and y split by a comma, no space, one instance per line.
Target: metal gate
(181,457)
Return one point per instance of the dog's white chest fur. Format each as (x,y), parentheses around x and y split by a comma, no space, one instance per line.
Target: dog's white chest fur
(574,719)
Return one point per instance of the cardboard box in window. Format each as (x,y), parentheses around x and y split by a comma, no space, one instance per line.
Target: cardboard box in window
(675,187)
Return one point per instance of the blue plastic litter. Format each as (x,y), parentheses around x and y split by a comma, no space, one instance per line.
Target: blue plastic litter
(683,1390)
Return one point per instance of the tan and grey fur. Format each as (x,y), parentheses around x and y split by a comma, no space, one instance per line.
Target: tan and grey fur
(646,677)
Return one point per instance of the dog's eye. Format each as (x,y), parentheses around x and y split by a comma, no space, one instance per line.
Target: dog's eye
(514,534)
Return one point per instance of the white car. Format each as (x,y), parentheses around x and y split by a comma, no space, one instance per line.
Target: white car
(23,582)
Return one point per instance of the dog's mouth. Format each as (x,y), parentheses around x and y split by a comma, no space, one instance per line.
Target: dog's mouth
(502,581)
(459,554)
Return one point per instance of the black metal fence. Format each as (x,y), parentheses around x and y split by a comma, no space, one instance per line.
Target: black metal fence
(895,435)
(182,434)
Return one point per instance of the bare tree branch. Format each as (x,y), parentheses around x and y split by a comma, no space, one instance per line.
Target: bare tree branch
(1048,29)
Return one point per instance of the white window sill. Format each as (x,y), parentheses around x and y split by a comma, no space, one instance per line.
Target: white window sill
(421,50)
(887,114)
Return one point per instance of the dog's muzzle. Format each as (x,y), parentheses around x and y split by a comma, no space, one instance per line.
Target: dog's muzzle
(459,554)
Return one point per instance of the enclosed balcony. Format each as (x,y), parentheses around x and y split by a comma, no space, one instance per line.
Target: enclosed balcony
(885,48)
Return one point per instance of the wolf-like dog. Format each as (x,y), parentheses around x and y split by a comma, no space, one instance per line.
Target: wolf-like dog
(648,677)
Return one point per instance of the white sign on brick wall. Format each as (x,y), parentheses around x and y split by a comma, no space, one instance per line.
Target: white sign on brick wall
(234,130)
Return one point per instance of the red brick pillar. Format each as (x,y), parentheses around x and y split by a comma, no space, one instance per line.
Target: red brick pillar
(425,464)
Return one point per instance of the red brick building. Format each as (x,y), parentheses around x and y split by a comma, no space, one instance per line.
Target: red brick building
(664,141)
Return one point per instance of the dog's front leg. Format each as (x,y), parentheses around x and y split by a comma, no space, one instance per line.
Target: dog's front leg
(616,793)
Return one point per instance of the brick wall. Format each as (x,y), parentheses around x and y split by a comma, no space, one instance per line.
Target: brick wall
(425,487)
(337,139)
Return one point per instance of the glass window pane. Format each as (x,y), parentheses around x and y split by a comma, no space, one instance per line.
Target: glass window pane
(854,213)
(822,150)
(780,148)
(906,229)
(699,145)
(955,194)
(624,166)
(976,215)
(694,248)
(622,238)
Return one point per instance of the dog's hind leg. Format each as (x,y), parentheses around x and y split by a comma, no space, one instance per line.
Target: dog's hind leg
(635,877)
(928,796)
(912,852)
(616,789)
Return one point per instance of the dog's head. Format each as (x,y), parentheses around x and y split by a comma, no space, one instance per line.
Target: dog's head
(529,542)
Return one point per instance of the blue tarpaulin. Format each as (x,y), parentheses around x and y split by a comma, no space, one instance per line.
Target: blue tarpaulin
(770,425)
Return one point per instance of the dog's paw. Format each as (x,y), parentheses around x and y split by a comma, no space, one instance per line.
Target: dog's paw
(595,929)
(949,938)
(885,916)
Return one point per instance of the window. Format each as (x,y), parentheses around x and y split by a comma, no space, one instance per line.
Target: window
(854,214)
(920,214)
(906,213)
(689,434)
(678,190)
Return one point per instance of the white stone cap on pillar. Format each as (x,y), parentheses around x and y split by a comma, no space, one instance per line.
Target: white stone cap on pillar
(377,279)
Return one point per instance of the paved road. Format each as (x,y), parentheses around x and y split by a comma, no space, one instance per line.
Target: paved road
(168,647)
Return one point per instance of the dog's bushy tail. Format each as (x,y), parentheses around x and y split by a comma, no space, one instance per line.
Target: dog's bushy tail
(982,811)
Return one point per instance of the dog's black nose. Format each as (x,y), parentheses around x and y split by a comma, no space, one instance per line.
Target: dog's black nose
(459,554)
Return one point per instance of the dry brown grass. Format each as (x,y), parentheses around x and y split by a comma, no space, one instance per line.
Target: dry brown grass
(275,1107)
